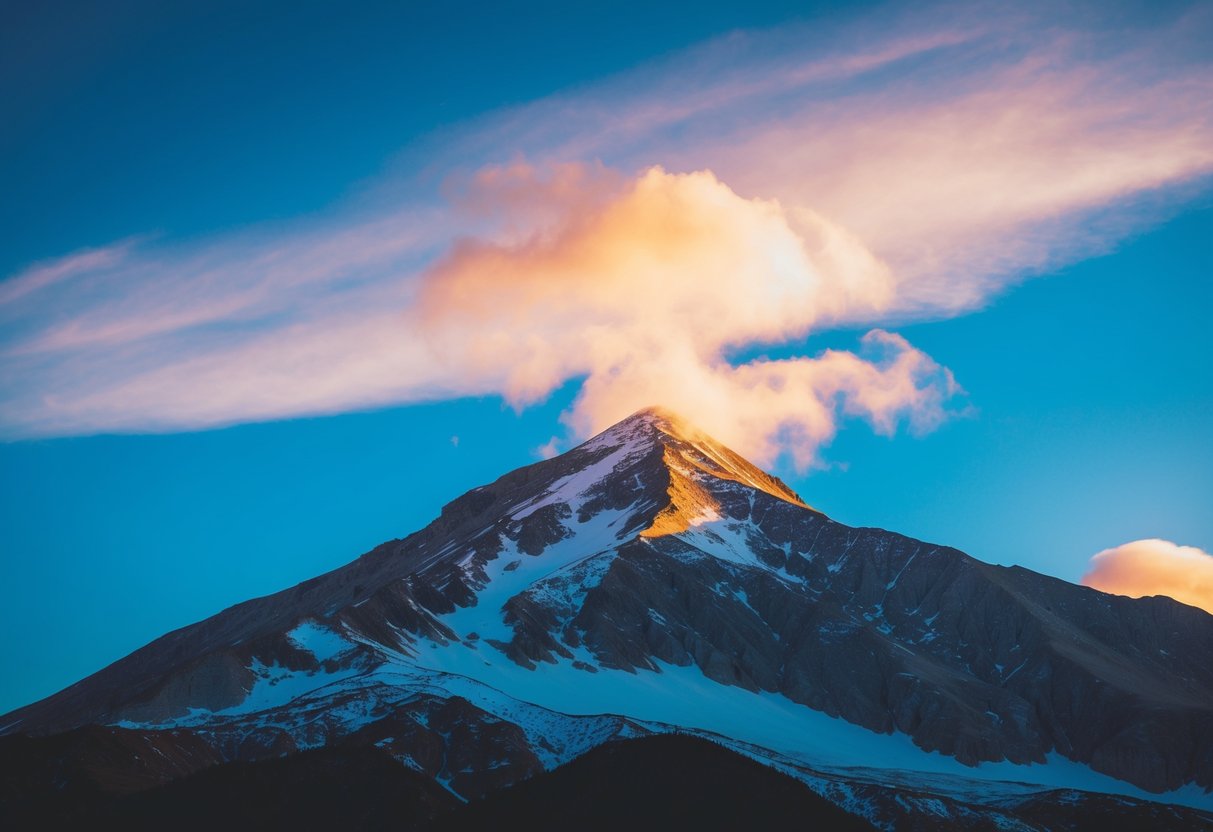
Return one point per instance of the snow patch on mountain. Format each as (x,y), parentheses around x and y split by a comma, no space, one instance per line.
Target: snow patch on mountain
(684,697)
(320,641)
(571,489)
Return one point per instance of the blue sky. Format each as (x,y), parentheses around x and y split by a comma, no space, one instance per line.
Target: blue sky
(182,145)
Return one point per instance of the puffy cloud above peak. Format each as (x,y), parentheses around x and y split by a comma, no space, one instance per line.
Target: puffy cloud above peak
(1154,567)
(669,263)
(644,290)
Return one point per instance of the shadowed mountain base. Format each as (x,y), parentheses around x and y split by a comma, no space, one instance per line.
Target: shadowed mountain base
(343,787)
(666,782)
(653,783)
(660,782)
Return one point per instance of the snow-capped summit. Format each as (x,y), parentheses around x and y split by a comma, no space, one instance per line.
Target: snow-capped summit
(651,578)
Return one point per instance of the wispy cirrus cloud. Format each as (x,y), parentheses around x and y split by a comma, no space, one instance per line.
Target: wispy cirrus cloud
(46,275)
(633,233)
(967,147)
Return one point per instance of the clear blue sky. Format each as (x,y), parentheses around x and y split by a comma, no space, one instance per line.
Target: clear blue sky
(1089,386)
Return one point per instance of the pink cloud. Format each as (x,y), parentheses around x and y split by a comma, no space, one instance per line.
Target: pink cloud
(643,290)
(549,449)
(1155,567)
(752,191)
(45,275)
(967,147)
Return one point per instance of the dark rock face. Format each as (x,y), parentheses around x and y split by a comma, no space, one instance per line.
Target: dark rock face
(97,760)
(975,661)
(678,551)
(452,741)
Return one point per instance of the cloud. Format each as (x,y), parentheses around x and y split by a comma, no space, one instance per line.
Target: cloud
(44,275)
(641,233)
(548,449)
(645,288)
(640,286)
(966,149)
(1155,567)
(664,265)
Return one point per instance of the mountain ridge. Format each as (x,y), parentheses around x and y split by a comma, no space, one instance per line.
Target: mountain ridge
(282,608)
(652,563)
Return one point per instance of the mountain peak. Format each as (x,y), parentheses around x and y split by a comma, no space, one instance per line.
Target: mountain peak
(648,422)
(697,463)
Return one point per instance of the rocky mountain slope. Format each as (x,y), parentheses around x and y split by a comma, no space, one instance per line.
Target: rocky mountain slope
(652,578)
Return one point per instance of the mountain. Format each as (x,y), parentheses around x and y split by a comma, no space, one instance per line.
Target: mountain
(650,580)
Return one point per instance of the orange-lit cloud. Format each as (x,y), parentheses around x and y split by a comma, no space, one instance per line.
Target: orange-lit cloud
(1155,567)
(743,195)
(967,150)
(644,289)
(640,287)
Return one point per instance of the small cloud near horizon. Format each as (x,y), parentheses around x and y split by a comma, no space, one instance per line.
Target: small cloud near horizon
(549,449)
(1154,567)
